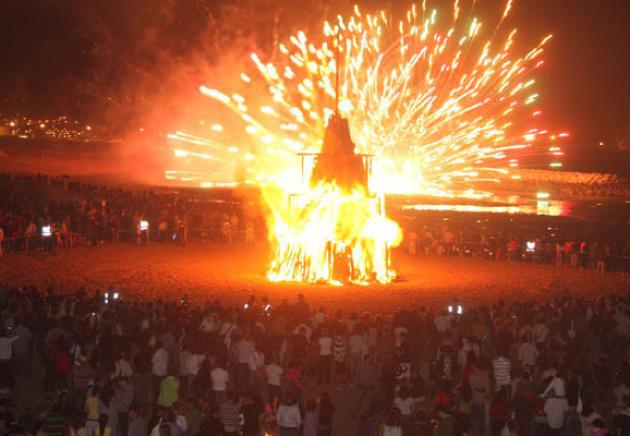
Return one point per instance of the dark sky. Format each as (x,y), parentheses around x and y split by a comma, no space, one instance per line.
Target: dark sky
(585,86)
(101,57)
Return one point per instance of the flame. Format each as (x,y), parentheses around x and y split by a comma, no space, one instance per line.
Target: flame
(329,235)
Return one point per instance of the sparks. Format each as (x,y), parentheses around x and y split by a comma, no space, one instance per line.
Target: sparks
(442,110)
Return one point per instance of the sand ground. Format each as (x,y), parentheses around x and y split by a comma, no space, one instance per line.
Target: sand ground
(232,273)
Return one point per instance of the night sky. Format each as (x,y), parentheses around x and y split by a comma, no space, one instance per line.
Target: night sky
(105,59)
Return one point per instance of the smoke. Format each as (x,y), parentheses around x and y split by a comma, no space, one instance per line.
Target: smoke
(148,63)
(182,45)
(132,68)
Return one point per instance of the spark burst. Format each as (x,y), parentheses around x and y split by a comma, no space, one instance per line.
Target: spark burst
(443,110)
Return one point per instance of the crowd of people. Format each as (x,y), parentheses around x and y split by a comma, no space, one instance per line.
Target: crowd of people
(52,213)
(118,367)
(600,255)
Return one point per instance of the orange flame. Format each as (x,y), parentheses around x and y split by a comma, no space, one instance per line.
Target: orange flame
(328,235)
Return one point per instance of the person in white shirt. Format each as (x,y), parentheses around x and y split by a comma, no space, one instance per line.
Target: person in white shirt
(288,417)
(540,331)
(468,345)
(441,321)
(180,420)
(391,426)
(399,333)
(319,318)
(159,363)
(325,343)
(21,350)
(273,372)
(228,327)
(257,369)
(242,350)
(219,377)
(122,367)
(620,391)
(527,352)
(556,403)
(357,345)
(405,403)
(6,341)
(304,328)
(193,365)
(210,323)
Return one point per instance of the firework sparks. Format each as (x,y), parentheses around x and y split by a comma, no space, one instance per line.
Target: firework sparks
(442,110)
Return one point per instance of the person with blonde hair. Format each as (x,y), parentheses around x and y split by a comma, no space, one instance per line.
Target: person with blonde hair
(103,429)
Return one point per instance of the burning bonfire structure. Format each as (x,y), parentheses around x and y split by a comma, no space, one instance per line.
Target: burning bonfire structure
(336,230)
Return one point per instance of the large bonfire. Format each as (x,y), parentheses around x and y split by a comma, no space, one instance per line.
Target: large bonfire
(440,109)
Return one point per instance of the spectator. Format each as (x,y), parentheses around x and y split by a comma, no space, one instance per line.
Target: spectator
(340,364)
(122,367)
(252,414)
(599,428)
(92,411)
(392,426)
(325,357)
(273,372)
(256,365)
(325,415)
(499,413)
(220,379)
(405,404)
(243,349)
(169,391)
(6,342)
(568,329)
(501,366)
(357,347)
(367,378)
(524,404)
(229,414)
(288,417)
(137,424)
(211,423)
(556,404)
(160,366)
(527,351)
(22,349)
(103,428)
(310,419)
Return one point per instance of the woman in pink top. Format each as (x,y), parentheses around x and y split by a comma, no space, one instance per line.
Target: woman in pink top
(293,376)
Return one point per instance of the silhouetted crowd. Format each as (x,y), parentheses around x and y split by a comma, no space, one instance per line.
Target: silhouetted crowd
(100,364)
(601,255)
(52,213)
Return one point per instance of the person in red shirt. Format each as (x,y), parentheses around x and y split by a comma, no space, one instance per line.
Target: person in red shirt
(442,398)
(499,413)
(62,365)
(512,246)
